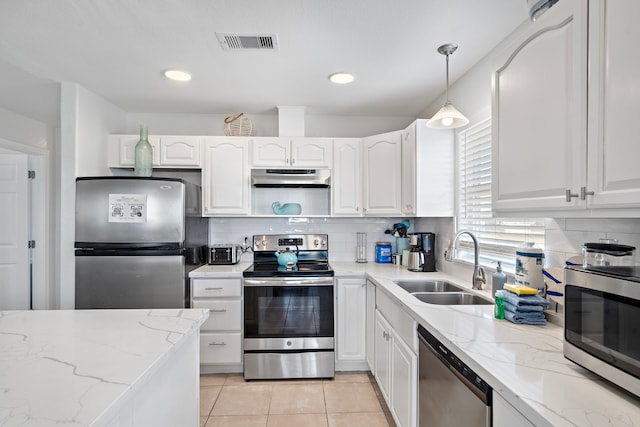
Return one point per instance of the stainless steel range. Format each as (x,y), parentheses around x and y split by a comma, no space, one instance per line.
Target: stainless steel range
(288,310)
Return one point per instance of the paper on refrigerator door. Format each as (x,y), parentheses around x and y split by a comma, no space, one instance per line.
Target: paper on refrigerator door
(129,208)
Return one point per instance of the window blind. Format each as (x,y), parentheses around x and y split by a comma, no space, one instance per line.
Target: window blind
(498,237)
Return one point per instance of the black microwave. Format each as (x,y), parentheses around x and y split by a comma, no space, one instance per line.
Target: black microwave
(602,322)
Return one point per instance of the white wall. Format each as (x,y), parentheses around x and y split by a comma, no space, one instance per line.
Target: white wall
(23,130)
(265,124)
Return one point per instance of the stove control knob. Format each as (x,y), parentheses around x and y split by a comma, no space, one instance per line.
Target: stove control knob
(289,343)
(316,242)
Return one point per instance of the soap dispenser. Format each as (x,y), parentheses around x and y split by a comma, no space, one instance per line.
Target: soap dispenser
(498,279)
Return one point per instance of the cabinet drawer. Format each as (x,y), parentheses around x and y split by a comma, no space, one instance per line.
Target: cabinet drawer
(403,325)
(229,287)
(220,348)
(223,315)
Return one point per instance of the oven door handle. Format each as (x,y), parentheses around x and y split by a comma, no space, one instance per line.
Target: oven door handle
(287,282)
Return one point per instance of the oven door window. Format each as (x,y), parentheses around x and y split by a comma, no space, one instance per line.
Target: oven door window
(604,325)
(288,311)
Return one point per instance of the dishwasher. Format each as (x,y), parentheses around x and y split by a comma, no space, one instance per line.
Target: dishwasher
(449,392)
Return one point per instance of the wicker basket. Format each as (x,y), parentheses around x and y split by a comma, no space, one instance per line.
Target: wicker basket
(239,125)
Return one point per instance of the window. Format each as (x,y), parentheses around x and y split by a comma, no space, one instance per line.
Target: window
(498,237)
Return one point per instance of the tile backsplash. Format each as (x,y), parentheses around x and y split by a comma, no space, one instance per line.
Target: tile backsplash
(564,237)
(341,231)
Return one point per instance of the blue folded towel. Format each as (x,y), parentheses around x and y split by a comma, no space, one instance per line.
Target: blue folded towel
(523,308)
(524,300)
(525,318)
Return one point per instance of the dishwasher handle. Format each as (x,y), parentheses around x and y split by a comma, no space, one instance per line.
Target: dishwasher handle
(467,376)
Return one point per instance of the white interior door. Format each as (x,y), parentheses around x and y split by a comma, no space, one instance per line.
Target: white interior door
(15,283)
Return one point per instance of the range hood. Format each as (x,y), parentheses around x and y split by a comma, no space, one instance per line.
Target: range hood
(297,178)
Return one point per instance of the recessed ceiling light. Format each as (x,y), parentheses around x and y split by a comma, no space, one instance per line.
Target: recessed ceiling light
(341,78)
(177,75)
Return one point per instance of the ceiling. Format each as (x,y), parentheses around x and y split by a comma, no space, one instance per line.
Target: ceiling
(118,49)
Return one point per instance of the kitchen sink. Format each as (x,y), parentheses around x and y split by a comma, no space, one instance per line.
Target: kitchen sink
(427,286)
(451,298)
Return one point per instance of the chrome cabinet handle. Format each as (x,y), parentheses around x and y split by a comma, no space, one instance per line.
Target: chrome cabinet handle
(584,193)
(217,343)
(212,289)
(293,160)
(217,310)
(568,195)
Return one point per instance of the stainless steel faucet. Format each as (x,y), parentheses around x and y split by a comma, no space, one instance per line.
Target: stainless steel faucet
(478,272)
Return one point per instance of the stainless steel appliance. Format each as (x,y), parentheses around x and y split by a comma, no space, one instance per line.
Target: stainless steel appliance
(601,333)
(301,178)
(449,392)
(223,254)
(289,312)
(129,243)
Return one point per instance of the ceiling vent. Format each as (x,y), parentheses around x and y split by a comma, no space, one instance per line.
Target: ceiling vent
(248,41)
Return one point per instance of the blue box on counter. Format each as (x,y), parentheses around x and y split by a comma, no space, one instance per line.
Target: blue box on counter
(383,252)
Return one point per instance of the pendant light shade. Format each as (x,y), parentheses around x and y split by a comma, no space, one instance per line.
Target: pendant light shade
(448,117)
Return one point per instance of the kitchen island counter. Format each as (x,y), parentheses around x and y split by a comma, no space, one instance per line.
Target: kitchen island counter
(99,367)
(523,363)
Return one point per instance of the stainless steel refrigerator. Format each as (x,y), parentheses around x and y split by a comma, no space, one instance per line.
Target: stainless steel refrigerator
(129,243)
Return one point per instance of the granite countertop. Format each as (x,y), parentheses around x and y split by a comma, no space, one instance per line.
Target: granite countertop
(523,363)
(72,367)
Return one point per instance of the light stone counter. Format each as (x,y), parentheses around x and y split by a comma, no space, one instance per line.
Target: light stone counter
(523,363)
(232,270)
(99,367)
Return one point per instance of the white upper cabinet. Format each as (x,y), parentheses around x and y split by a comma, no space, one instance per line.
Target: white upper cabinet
(225,176)
(122,150)
(382,178)
(288,152)
(614,104)
(539,113)
(180,151)
(555,153)
(168,151)
(427,171)
(346,179)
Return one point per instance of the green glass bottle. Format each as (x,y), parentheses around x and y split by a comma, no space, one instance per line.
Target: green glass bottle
(143,154)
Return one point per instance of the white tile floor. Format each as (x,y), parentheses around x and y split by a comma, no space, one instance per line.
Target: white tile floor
(351,399)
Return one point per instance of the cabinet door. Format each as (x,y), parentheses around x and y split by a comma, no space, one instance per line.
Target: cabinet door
(270,152)
(382,174)
(312,152)
(122,150)
(351,320)
(404,388)
(614,103)
(346,185)
(371,312)
(226,177)
(408,202)
(382,355)
(539,113)
(505,415)
(182,151)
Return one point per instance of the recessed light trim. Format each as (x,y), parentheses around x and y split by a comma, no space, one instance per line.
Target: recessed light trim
(177,75)
(341,78)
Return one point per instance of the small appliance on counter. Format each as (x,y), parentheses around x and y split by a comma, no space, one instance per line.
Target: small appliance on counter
(425,244)
(601,312)
(223,254)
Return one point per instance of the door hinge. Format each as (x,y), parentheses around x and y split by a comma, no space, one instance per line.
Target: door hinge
(31,244)
(32,175)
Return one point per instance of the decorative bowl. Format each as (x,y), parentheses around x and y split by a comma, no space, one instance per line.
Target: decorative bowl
(286,209)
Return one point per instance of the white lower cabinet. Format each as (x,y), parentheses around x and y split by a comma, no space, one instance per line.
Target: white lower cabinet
(351,299)
(370,318)
(505,415)
(396,361)
(221,333)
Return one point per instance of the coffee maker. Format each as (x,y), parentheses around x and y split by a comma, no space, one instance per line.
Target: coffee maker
(427,244)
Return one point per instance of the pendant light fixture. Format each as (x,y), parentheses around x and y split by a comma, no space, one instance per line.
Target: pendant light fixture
(447,117)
